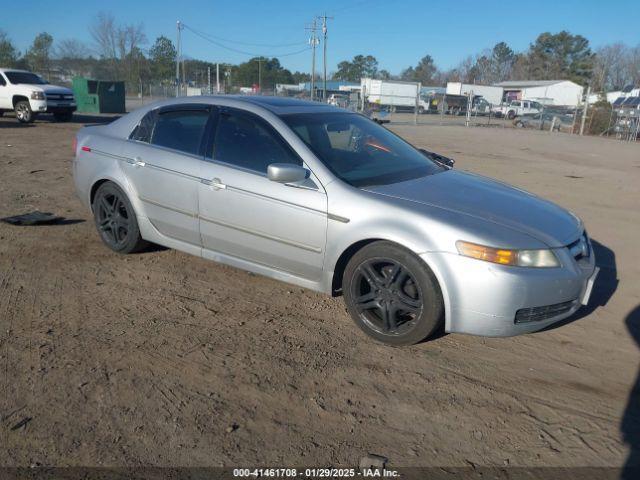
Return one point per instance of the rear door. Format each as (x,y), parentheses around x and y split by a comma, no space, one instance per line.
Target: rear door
(165,154)
(245,215)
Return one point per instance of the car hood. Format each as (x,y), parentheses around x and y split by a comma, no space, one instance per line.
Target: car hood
(490,200)
(51,89)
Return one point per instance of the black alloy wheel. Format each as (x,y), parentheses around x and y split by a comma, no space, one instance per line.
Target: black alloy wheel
(115,220)
(386,296)
(392,295)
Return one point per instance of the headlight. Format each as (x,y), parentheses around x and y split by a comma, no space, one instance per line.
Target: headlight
(521,258)
(37,95)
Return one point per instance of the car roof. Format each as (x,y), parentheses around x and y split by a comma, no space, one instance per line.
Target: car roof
(283,105)
(277,105)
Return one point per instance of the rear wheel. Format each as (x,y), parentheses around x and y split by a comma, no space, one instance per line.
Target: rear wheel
(392,295)
(116,220)
(24,114)
(511,115)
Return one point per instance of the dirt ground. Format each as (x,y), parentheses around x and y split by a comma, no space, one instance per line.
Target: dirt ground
(162,358)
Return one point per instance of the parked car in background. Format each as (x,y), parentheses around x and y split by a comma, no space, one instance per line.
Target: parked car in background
(28,95)
(517,108)
(326,199)
(543,121)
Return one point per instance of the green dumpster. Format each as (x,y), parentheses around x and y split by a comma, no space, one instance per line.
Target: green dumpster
(99,96)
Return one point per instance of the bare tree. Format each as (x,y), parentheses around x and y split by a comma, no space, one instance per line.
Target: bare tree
(120,45)
(609,72)
(73,56)
(105,35)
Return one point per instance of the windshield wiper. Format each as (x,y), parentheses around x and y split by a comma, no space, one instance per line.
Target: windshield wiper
(446,162)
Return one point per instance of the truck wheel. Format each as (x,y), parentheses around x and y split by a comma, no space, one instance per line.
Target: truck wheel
(511,115)
(24,114)
(421,110)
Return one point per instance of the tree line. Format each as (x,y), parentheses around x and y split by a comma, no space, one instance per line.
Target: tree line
(122,52)
(552,56)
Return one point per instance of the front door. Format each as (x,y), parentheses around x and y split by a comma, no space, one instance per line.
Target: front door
(5,101)
(165,157)
(245,215)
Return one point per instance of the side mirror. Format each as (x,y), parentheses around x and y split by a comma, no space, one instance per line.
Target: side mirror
(439,159)
(286,173)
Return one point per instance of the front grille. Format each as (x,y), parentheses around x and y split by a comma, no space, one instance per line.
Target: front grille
(537,314)
(59,96)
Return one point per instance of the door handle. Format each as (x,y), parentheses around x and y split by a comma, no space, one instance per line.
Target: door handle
(137,162)
(214,183)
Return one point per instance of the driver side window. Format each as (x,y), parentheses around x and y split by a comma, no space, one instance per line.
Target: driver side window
(246,141)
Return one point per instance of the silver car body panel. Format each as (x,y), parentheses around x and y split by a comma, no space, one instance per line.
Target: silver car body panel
(298,233)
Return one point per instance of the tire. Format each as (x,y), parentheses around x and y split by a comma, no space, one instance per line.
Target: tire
(519,124)
(421,110)
(24,114)
(63,116)
(392,295)
(116,221)
(511,115)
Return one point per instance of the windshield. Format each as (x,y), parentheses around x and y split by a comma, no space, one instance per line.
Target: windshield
(28,78)
(359,151)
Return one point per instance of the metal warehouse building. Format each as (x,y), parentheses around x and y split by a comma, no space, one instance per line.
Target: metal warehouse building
(547,92)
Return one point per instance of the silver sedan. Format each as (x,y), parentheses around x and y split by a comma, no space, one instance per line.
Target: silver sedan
(327,199)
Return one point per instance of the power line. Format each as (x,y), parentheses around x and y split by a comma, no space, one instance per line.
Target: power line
(250,44)
(208,38)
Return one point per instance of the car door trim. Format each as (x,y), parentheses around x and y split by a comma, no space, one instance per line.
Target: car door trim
(205,181)
(173,209)
(258,233)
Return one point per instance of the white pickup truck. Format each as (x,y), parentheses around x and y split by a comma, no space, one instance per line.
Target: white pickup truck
(517,108)
(27,95)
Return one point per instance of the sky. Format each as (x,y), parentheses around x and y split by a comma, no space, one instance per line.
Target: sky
(398,33)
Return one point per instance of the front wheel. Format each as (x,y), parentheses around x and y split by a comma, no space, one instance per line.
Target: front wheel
(116,220)
(24,114)
(392,295)
(511,115)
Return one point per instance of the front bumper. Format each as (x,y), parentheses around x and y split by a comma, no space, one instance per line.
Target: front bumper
(53,106)
(482,298)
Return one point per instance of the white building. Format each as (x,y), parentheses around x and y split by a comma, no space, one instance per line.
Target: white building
(491,94)
(547,92)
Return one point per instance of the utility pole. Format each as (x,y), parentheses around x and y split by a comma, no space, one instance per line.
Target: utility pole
(179,25)
(324,55)
(584,110)
(217,78)
(260,75)
(313,41)
(208,80)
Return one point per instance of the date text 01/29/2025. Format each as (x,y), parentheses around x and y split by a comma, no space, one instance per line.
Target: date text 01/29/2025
(314,473)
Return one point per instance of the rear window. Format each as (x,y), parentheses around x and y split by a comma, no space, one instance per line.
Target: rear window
(180,130)
(142,133)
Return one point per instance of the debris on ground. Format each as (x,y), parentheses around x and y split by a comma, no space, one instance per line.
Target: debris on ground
(373,462)
(33,218)
(21,423)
